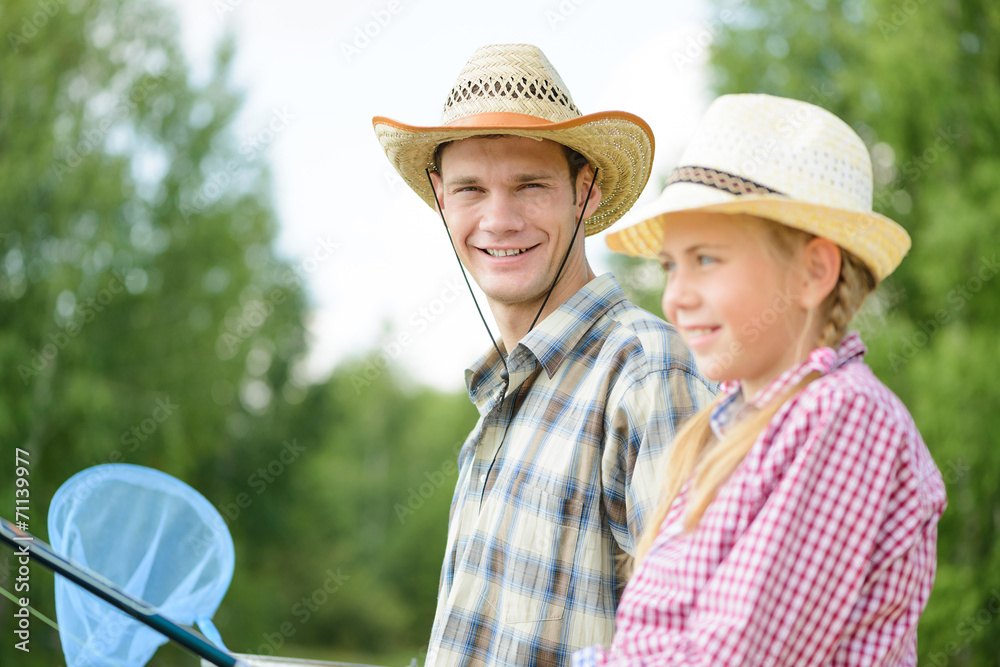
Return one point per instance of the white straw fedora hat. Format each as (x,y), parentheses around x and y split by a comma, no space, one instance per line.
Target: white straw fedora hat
(780,159)
(514,89)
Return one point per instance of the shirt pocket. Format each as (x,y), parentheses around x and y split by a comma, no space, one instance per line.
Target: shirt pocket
(544,537)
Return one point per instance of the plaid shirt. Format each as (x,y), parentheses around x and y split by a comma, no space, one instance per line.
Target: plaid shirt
(819,550)
(541,523)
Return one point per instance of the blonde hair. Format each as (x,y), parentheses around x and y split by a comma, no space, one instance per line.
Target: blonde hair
(695,454)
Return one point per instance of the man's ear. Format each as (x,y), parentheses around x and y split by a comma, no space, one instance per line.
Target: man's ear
(820,261)
(438,188)
(584,179)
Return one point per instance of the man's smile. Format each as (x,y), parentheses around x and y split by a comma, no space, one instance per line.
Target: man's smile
(504,252)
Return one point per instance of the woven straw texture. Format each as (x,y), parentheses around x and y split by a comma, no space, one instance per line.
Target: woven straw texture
(514,78)
(817,166)
(514,89)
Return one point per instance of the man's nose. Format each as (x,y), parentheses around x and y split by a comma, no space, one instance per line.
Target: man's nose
(500,214)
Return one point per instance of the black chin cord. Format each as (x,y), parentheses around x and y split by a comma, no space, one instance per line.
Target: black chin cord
(505,374)
(576,232)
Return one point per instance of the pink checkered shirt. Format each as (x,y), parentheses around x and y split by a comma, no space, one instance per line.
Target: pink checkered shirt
(819,550)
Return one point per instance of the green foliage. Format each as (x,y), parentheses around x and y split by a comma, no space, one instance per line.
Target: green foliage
(365,513)
(920,81)
(118,305)
(145,318)
(137,278)
(642,281)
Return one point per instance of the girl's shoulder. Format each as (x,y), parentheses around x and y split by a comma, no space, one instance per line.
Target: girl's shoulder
(854,385)
(850,412)
(846,412)
(851,420)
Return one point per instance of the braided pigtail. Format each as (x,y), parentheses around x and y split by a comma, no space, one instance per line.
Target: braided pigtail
(856,282)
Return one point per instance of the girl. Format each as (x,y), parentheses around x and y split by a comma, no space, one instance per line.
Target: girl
(799,519)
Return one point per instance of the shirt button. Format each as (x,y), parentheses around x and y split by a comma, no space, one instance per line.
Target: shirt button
(482,479)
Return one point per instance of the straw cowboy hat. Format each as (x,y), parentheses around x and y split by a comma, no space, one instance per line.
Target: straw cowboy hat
(780,159)
(514,89)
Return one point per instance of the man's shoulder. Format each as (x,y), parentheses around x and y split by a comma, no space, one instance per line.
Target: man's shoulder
(652,341)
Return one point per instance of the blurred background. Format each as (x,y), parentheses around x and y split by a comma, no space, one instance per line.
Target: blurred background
(208,267)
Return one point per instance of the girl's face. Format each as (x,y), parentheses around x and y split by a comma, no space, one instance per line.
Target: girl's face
(735,297)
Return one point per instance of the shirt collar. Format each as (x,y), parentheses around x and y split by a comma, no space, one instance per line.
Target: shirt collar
(733,406)
(549,344)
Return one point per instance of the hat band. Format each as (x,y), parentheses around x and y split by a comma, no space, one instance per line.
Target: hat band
(720,180)
(499,119)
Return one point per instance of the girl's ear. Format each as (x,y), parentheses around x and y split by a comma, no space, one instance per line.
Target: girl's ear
(821,270)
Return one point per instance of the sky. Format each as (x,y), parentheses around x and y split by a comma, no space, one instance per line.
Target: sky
(380,273)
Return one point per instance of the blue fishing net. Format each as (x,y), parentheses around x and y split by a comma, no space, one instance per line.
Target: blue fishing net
(154,536)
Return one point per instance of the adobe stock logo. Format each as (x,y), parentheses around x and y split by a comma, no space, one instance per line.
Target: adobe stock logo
(85,314)
(261,479)
(562,12)
(47,9)
(216,185)
(957,299)
(363,35)
(419,322)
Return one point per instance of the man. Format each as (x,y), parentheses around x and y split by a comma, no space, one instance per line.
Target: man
(583,392)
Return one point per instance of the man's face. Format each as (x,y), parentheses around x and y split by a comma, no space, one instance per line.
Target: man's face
(510,207)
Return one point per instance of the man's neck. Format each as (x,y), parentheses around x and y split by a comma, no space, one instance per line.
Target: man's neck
(514,320)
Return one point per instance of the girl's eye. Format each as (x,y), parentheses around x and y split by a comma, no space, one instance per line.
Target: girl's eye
(668,265)
(704,260)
